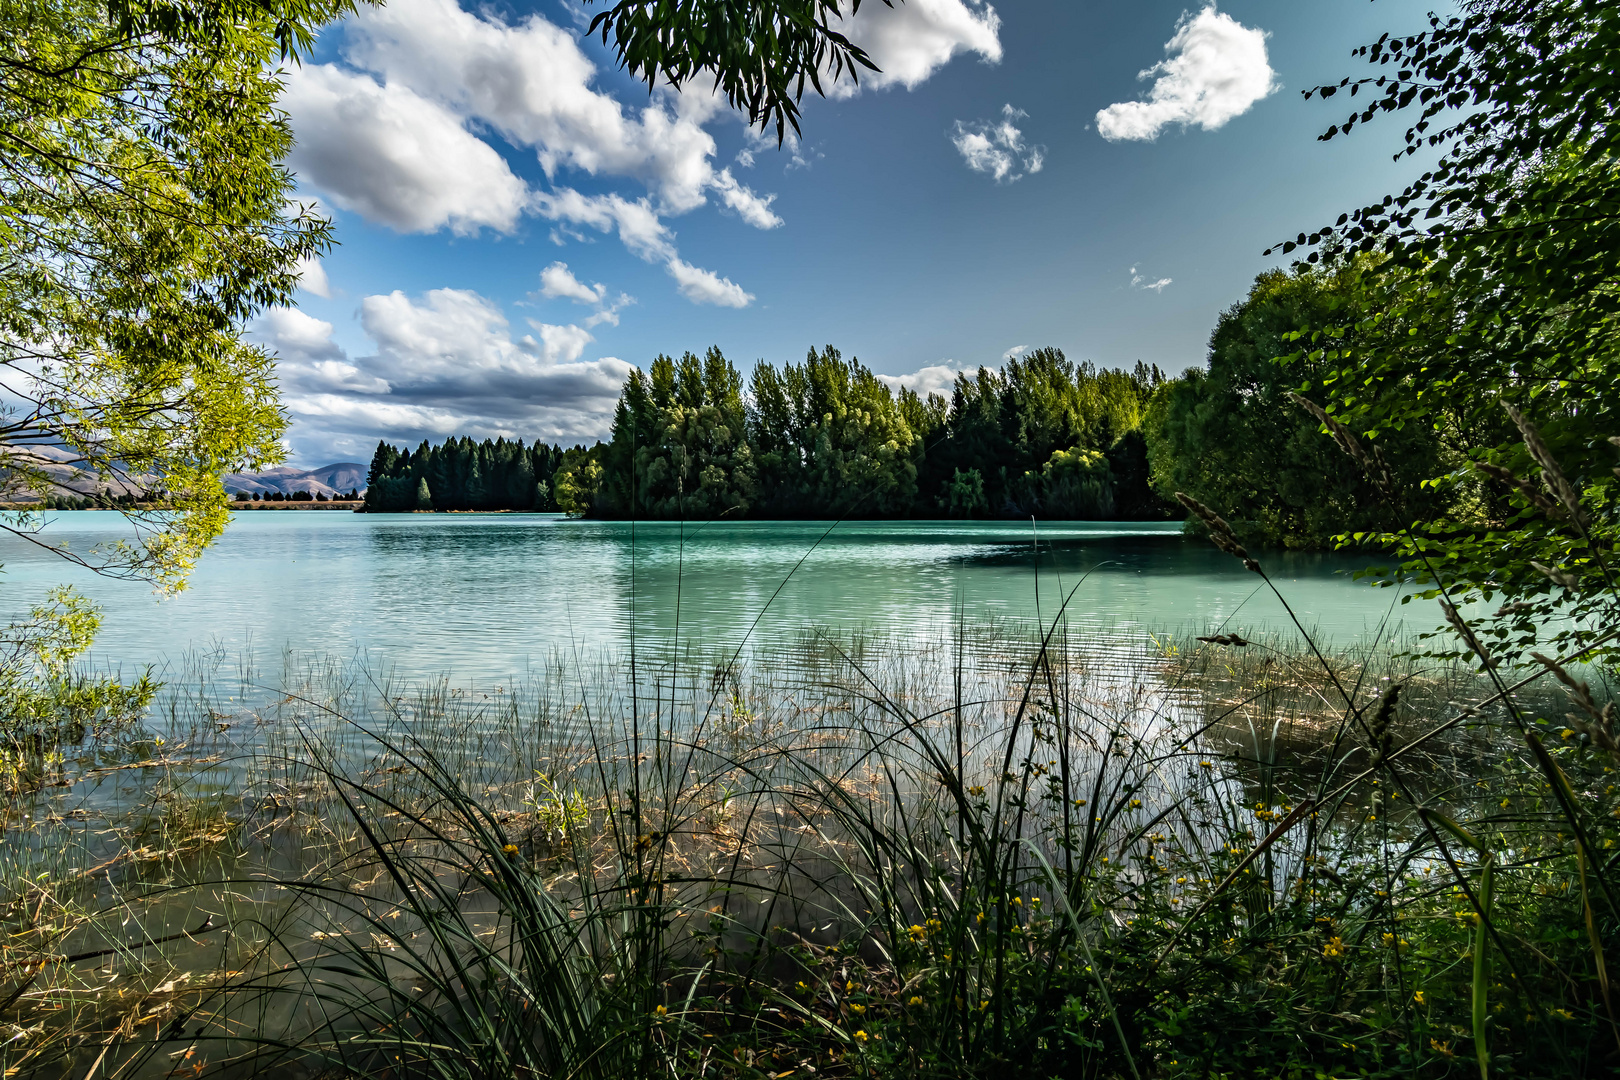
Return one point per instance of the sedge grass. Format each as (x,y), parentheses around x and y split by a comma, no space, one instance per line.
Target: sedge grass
(987,854)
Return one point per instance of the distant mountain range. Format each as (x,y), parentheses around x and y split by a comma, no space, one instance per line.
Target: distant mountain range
(329,480)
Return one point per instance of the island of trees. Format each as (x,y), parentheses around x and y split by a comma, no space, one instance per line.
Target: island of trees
(822,439)
(1042,436)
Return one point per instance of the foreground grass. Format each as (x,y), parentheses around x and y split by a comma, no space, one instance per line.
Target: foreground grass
(978,857)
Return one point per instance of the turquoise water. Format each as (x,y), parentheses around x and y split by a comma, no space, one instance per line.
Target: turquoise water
(483,597)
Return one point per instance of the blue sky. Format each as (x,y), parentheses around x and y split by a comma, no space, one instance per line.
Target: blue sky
(519,222)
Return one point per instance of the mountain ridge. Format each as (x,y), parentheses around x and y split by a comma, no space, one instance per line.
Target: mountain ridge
(339,478)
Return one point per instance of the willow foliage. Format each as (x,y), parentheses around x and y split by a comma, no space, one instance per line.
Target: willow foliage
(143,221)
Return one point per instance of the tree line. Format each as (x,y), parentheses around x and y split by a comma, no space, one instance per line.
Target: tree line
(826,438)
(460,474)
(1042,436)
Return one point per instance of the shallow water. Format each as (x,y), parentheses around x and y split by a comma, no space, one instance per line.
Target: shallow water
(482,597)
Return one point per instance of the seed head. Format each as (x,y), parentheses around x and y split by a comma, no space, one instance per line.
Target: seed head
(1466,632)
(1527,488)
(1220,533)
(1382,740)
(1551,473)
(1557,576)
(1374,464)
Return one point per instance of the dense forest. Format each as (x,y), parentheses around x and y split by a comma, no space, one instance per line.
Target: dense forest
(460,474)
(1041,436)
(826,438)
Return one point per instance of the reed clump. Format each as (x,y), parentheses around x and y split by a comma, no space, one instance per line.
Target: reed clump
(988,854)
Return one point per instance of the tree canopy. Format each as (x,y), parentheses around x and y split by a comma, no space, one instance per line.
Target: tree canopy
(828,438)
(1230,436)
(761,53)
(460,474)
(143,220)
(1497,313)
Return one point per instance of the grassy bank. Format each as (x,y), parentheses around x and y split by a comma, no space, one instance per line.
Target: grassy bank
(838,859)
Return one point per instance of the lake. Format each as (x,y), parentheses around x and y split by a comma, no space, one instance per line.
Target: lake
(481,597)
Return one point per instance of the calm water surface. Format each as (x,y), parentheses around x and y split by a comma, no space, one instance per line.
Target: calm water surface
(481,597)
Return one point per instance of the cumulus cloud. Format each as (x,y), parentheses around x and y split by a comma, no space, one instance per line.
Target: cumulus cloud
(297,336)
(1216,69)
(557,280)
(752,208)
(934,379)
(706,287)
(911,41)
(647,237)
(997,147)
(308,360)
(446,363)
(404,130)
(1140,281)
(393,156)
(638,225)
(312,277)
(533,84)
(1014,353)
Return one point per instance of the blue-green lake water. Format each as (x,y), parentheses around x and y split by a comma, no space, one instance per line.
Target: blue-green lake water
(484,597)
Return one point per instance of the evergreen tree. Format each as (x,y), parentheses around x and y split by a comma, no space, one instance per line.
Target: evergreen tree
(382,465)
(519,483)
(474,493)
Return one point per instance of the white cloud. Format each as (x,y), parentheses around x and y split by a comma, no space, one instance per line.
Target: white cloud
(392,136)
(532,83)
(307,359)
(393,156)
(446,363)
(1140,281)
(637,223)
(997,147)
(404,133)
(561,344)
(312,277)
(912,40)
(754,209)
(647,237)
(1014,353)
(557,280)
(934,379)
(297,336)
(1216,70)
(706,287)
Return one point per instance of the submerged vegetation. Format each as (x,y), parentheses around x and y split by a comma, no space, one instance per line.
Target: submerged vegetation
(995,855)
(843,857)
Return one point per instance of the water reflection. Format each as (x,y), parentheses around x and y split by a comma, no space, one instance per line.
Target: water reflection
(484,596)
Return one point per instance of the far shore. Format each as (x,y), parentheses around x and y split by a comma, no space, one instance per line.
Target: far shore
(331,504)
